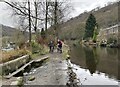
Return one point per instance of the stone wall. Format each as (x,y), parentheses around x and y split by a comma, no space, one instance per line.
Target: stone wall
(105,34)
(13,65)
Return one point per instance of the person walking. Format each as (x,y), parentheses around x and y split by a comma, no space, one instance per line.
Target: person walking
(51,46)
(59,46)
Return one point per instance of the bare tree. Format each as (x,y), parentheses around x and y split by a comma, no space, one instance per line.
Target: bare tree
(33,14)
(46,14)
(29,21)
(58,13)
(25,12)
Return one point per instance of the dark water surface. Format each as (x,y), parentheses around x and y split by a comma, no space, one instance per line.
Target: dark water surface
(96,66)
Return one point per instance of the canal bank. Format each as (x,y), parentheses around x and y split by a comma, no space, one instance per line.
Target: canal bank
(86,66)
(56,70)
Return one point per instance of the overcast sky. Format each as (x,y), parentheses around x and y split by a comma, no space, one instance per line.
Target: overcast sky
(79,7)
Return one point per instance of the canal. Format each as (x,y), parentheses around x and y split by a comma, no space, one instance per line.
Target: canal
(95,66)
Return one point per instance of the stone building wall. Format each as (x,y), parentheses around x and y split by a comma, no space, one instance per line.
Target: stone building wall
(111,32)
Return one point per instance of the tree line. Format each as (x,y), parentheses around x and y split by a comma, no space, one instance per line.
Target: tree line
(34,15)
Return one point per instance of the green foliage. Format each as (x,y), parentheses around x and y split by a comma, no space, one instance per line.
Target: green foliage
(95,34)
(90,26)
(112,40)
(36,48)
(43,33)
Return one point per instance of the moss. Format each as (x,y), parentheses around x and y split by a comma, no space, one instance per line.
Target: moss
(66,51)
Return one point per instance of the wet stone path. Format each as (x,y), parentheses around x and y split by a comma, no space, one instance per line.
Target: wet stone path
(53,72)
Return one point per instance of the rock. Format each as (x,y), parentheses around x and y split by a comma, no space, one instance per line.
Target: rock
(34,70)
(31,78)
(25,74)
(68,56)
(14,83)
(30,73)
(68,84)
(18,82)
(60,62)
(45,76)
(20,78)
(85,78)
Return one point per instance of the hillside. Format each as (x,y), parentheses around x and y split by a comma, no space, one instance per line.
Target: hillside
(8,31)
(10,34)
(74,28)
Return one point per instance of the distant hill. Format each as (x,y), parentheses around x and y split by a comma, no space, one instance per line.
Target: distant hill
(75,27)
(9,31)
(10,34)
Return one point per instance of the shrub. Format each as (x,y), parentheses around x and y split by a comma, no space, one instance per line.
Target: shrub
(36,47)
(112,40)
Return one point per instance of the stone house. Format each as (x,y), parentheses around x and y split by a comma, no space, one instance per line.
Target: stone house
(111,32)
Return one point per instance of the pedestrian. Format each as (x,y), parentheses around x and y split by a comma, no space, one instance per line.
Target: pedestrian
(51,46)
(59,46)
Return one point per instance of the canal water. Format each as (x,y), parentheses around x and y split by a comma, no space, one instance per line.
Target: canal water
(96,66)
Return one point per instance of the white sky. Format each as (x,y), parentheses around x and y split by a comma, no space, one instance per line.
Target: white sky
(79,7)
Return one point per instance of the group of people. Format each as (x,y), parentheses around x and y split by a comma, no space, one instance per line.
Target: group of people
(52,46)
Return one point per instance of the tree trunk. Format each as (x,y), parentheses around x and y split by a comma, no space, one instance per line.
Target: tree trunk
(46,18)
(29,22)
(36,20)
(55,18)
(35,16)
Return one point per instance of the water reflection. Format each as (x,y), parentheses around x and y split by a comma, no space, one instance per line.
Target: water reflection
(91,59)
(96,61)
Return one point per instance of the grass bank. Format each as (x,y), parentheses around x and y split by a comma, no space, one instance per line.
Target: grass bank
(66,51)
(13,54)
